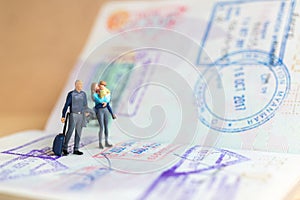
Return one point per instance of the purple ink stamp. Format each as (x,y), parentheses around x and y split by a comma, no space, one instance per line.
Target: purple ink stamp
(195,173)
(35,158)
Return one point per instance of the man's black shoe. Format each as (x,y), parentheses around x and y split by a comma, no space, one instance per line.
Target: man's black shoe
(108,145)
(65,152)
(77,152)
(101,146)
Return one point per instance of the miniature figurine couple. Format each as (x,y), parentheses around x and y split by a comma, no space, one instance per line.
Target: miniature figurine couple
(77,103)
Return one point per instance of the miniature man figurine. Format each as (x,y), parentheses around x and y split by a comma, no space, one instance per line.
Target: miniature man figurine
(77,102)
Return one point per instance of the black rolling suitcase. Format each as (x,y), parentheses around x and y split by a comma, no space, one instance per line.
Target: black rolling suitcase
(59,139)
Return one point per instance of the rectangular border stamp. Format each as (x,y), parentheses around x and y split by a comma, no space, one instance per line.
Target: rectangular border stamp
(248,32)
(141,151)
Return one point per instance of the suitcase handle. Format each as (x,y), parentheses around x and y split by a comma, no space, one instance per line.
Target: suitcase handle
(66,122)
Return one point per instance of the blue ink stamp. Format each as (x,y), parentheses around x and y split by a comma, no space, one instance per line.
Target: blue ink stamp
(248,52)
(233,27)
(84,178)
(248,89)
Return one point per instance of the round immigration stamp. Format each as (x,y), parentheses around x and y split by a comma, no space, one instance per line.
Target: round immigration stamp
(253,85)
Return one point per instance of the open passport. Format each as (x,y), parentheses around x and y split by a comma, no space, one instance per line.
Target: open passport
(207,98)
